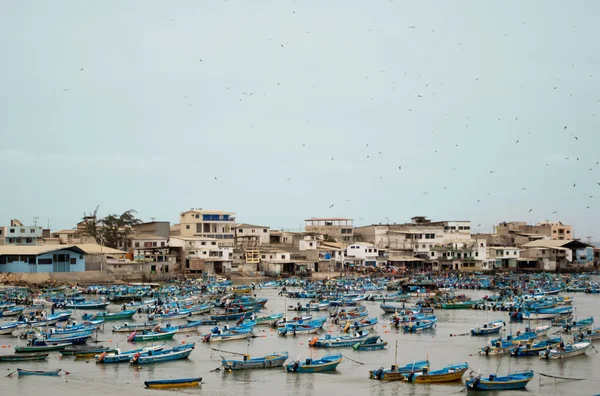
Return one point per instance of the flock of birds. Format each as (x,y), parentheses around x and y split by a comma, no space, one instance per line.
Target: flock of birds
(369,154)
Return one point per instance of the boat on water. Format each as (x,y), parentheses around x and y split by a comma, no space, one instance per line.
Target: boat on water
(400,308)
(578,325)
(166,355)
(173,383)
(371,343)
(148,335)
(396,373)
(268,361)
(22,357)
(176,314)
(293,320)
(326,363)
(488,328)
(547,313)
(450,373)
(364,324)
(121,357)
(310,327)
(270,320)
(87,305)
(534,349)
(88,351)
(329,341)
(127,314)
(590,334)
(129,327)
(188,327)
(227,335)
(566,351)
(8,328)
(458,304)
(420,325)
(42,346)
(49,373)
(512,381)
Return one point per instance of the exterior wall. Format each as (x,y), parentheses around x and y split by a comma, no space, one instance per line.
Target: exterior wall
(264,233)
(366,252)
(2,235)
(308,244)
(554,230)
(20,264)
(206,223)
(22,235)
(339,229)
(156,228)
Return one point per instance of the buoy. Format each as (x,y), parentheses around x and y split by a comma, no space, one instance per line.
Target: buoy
(109,340)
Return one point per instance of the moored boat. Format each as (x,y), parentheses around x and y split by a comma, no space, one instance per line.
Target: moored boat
(127,314)
(49,373)
(121,357)
(268,361)
(450,373)
(326,363)
(22,357)
(173,383)
(488,328)
(512,381)
(566,351)
(129,327)
(166,355)
(534,349)
(144,335)
(397,373)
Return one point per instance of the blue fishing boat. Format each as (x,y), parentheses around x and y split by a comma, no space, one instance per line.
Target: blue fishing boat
(48,373)
(190,326)
(126,356)
(268,361)
(364,324)
(99,304)
(488,328)
(11,311)
(129,327)
(339,341)
(420,325)
(8,328)
(326,363)
(534,349)
(126,314)
(512,381)
(578,325)
(450,373)
(310,327)
(173,383)
(372,343)
(177,314)
(166,355)
(566,351)
(227,335)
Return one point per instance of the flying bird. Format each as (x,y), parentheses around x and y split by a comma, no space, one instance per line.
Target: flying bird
(81,69)
(215,177)
(530,210)
(331,206)
(478,224)
(400,168)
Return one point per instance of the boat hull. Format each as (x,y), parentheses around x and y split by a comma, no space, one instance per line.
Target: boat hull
(179,383)
(267,362)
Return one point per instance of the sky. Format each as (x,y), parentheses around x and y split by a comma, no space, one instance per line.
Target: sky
(279,111)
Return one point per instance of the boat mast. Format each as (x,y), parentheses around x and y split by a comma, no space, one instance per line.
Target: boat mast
(396,355)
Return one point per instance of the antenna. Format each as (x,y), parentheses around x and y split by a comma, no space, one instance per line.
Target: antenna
(35,221)
(152,219)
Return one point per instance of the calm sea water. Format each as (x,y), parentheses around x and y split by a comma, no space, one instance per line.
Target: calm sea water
(351,378)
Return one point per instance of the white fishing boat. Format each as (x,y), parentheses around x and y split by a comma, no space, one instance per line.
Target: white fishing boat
(567,351)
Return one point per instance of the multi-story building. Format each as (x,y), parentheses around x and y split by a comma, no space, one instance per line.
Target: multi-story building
(248,230)
(362,253)
(333,228)
(156,228)
(553,230)
(208,224)
(18,234)
(205,254)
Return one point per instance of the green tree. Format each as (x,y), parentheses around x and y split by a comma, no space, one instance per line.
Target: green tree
(112,230)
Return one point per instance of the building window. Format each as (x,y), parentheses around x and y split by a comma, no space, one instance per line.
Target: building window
(264,256)
(12,231)
(44,261)
(32,231)
(137,244)
(213,243)
(28,240)
(264,230)
(187,227)
(432,254)
(568,231)
(241,231)
(22,230)
(73,261)
(197,216)
(310,244)
(162,244)
(476,254)
(253,230)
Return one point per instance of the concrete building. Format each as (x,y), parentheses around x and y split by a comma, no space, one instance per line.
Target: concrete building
(335,228)
(361,254)
(19,234)
(554,255)
(208,224)
(156,228)
(262,232)
(205,254)
(32,259)
(506,257)
(553,230)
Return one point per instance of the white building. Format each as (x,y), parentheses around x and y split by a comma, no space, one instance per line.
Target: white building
(362,253)
(205,254)
(18,234)
(262,232)
(207,223)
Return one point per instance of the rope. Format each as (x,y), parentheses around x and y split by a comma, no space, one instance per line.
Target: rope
(353,360)
(221,350)
(563,378)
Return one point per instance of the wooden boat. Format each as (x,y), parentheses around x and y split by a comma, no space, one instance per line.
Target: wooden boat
(227,336)
(129,327)
(73,339)
(458,304)
(11,311)
(200,309)
(8,328)
(590,334)
(270,320)
(398,373)
(173,383)
(400,308)
(144,335)
(294,320)
(121,357)
(452,372)
(326,363)
(567,351)
(547,313)
(127,314)
(22,357)
(364,324)
(419,325)
(269,361)
(42,346)
(512,381)
(190,326)
(371,343)
(578,325)
(488,328)
(88,305)
(338,341)
(86,352)
(534,349)
(166,355)
(177,314)
(38,372)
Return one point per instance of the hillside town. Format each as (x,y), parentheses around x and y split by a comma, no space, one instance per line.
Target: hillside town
(208,242)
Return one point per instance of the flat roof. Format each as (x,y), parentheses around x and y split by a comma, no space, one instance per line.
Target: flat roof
(205,211)
(327,219)
(246,225)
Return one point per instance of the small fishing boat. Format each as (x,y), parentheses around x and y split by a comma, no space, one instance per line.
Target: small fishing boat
(452,372)
(11,311)
(270,320)
(166,355)
(294,320)
(534,349)
(488,328)
(22,357)
(129,327)
(176,314)
(190,326)
(127,314)
(225,335)
(147,335)
(87,305)
(364,324)
(578,325)
(397,373)
(86,351)
(547,313)
(400,308)
(311,327)
(269,361)
(42,346)
(372,343)
(420,325)
(173,383)
(512,381)
(121,357)
(458,304)
(8,328)
(326,363)
(566,351)
(51,373)
(338,341)
(590,334)
(200,309)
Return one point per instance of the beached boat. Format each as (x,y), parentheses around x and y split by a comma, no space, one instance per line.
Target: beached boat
(268,361)
(452,372)
(127,314)
(147,335)
(534,349)
(121,357)
(22,357)
(166,355)
(566,351)
(326,363)
(512,381)
(173,383)
(129,327)
(488,328)
(50,373)
(397,373)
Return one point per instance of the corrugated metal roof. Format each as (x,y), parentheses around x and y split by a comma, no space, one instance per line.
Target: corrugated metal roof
(245,225)
(16,250)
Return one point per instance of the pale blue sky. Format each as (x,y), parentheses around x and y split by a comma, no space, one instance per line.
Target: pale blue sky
(147,125)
